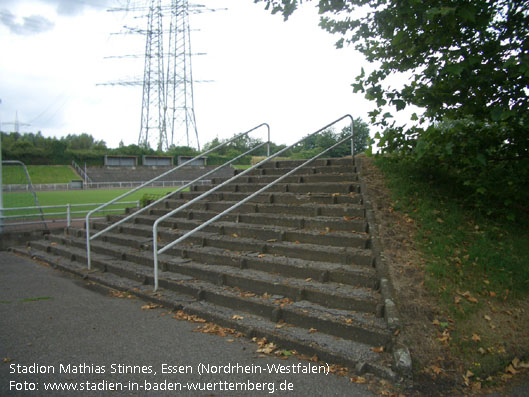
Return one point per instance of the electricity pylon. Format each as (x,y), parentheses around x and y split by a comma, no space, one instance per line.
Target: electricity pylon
(168,108)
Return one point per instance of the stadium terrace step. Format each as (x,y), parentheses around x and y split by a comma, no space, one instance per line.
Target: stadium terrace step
(328,187)
(296,264)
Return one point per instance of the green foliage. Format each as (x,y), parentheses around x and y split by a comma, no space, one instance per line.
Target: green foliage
(479,159)
(314,145)
(37,150)
(466,66)
(465,58)
(463,249)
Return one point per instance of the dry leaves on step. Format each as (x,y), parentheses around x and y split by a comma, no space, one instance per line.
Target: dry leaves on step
(150,306)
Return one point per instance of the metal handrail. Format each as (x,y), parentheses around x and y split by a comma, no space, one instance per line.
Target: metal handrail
(114,225)
(81,172)
(157,251)
(17,162)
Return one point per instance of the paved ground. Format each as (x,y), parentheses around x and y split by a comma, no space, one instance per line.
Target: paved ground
(52,325)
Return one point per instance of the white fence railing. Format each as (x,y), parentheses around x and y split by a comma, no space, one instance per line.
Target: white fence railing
(95,185)
(69,212)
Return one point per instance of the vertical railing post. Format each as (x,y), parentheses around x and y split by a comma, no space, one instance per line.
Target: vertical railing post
(68,215)
(1,190)
(88,251)
(352,139)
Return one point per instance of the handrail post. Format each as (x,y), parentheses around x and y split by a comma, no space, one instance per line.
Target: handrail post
(68,215)
(155,258)
(88,250)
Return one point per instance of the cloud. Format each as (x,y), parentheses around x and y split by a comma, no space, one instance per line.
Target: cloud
(30,25)
(34,24)
(75,7)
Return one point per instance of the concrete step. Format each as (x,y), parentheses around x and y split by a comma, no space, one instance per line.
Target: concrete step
(360,276)
(311,178)
(277,197)
(327,294)
(330,187)
(319,163)
(349,324)
(140,235)
(231,225)
(303,210)
(305,339)
(339,169)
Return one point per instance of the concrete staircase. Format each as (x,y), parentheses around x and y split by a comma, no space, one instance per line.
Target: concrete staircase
(298,265)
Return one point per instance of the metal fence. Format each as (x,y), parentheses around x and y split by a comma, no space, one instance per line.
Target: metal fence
(95,185)
(70,213)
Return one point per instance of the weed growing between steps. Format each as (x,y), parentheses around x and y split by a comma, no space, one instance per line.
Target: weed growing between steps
(475,269)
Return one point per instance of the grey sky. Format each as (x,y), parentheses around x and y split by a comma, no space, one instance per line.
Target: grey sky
(261,69)
(33,24)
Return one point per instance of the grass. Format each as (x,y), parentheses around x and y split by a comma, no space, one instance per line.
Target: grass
(476,270)
(465,250)
(25,199)
(39,174)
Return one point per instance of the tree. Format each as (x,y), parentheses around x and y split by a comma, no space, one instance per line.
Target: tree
(467,58)
(466,64)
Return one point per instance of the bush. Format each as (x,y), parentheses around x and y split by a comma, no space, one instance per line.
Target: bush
(480,160)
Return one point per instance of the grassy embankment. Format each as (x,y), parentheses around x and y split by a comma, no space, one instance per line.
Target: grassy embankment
(476,270)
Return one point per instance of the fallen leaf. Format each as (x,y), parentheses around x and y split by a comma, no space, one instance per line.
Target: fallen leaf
(510,369)
(492,294)
(469,297)
(523,364)
(358,379)
(347,218)
(440,220)
(476,338)
(487,317)
(7,360)
(312,330)
(235,235)
(437,370)
(150,306)
(378,349)
(237,317)
(261,255)
(267,349)
(308,279)
(445,337)
(457,300)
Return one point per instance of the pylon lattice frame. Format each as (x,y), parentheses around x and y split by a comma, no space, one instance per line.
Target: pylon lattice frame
(168,97)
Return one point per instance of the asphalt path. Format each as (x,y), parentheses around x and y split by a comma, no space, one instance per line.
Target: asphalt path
(54,331)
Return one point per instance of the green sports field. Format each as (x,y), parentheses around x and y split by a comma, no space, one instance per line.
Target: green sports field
(26,199)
